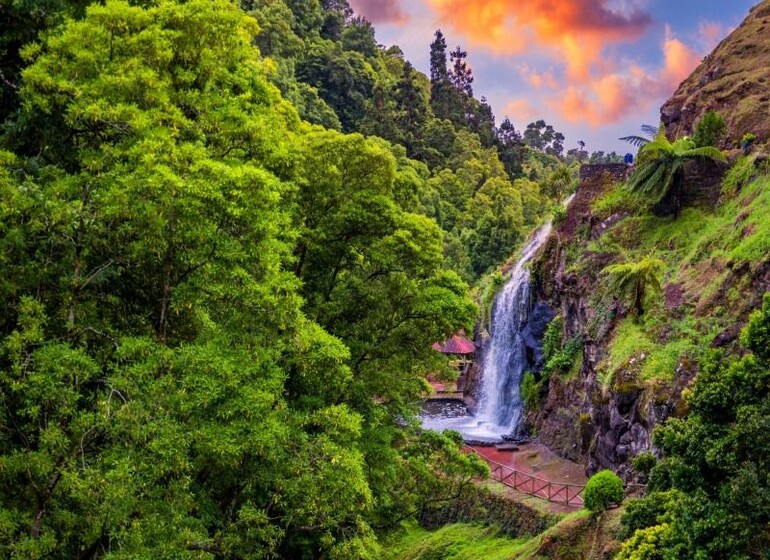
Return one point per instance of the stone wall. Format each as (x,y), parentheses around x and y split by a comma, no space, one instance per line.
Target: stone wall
(617,171)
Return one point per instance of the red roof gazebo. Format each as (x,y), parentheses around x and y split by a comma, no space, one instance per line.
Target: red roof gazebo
(457,345)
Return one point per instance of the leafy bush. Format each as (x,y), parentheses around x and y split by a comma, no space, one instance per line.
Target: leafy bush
(709,130)
(552,338)
(564,359)
(603,490)
(647,512)
(644,463)
(530,391)
(559,215)
(646,544)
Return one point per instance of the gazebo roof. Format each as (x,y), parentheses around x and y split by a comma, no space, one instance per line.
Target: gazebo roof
(457,344)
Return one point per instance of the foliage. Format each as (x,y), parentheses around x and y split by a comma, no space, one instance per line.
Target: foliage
(642,513)
(646,544)
(636,281)
(714,458)
(660,168)
(602,491)
(452,542)
(552,338)
(563,360)
(213,328)
(643,463)
(649,132)
(530,391)
(710,130)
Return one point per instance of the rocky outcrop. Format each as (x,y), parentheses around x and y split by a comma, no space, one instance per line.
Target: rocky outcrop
(734,80)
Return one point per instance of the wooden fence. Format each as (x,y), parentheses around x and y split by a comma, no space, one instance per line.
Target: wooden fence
(569,494)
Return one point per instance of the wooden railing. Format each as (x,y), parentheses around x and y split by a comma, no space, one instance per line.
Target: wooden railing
(569,494)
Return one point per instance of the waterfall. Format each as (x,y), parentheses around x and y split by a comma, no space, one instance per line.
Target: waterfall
(505,360)
(514,346)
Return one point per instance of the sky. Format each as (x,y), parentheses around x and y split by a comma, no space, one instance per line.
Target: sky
(594,69)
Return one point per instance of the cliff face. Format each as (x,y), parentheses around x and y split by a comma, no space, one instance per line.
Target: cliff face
(585,418)
(734,80)
(632,371)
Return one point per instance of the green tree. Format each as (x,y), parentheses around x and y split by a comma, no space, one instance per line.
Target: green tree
(153,335)
(710,486)
(660,169)
(636,281)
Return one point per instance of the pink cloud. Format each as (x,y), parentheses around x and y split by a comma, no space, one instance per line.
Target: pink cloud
(381,11)
(575,31)
(710,33)
(520,110)
(611,97)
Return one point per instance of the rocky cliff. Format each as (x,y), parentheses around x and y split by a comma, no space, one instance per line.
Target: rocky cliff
(631,371)
(734,80)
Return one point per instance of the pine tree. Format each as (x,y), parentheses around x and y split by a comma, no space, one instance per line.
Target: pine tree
(461,75)
(438,67)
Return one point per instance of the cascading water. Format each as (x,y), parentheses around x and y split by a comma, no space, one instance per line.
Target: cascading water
(506,359)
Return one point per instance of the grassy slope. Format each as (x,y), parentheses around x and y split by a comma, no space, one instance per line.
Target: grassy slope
(577,536)
(452,542)
(710,258)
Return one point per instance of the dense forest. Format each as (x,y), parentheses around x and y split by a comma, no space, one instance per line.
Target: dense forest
(230,235)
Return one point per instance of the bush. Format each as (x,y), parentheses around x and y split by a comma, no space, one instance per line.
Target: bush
(710,130)
(559,215)
(643,463)
(603,490)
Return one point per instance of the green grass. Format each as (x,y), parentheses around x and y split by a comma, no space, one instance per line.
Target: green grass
(452,542)
(652,361)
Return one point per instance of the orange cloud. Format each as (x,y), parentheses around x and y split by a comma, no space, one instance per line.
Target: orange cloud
(576,30)
(611,97)
(539,80)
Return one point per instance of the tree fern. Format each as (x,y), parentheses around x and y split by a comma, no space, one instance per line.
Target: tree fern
(635,281)
(661,165)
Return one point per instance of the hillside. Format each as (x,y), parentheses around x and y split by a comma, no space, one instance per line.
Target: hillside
(733,80)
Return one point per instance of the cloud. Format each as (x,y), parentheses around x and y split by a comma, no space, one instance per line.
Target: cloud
(520,110)
(710,33)
(381,11)
(575,31)
(539,80)
(611,97)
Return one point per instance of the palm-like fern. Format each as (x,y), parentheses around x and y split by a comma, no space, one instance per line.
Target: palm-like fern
(661,165)
(649,132)
(634,281)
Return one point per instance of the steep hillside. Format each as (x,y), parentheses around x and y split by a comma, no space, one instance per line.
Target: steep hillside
(633,369)
(733,80)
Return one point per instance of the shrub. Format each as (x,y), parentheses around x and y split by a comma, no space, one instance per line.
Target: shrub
(642,513)
(603,490)
(559,215)
(644,463)
(530,391)
(710,130)
(552,338)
